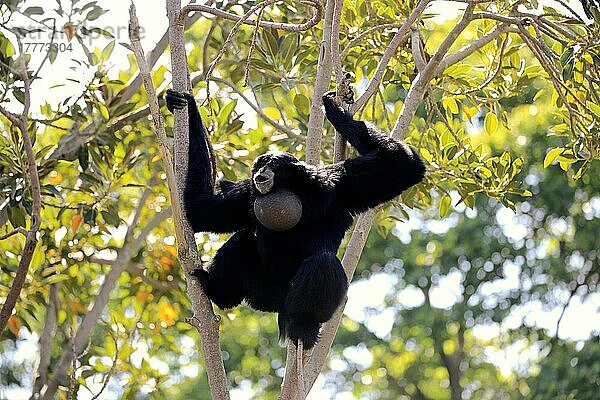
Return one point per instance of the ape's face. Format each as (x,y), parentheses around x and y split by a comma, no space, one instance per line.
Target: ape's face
(270,167)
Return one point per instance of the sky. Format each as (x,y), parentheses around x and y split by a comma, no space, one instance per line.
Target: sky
(580,318)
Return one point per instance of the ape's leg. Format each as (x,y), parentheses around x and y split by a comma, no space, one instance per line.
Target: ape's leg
(223,279)
(316,291)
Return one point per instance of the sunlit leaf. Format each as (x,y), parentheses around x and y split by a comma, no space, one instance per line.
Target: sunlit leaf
(491,123)
(551,156)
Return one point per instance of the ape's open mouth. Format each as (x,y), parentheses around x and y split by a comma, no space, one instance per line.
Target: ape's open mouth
(263,180)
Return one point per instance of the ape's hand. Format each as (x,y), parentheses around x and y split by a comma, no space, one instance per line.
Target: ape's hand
(331,104)
(177,100)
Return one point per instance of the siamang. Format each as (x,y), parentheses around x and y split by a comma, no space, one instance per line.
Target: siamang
(294,272)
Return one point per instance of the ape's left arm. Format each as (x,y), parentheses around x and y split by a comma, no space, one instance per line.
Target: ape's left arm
(383,170)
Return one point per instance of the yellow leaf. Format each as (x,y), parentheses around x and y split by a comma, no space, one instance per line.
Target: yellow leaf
(103,111)
(75,222)
(55,179)
(166,262)
(14,325)
(594,107)
(103,228)
(469,112)
(559,128)
(564,165)
(171,249)
(491,123)
(143,296)
(272,112)
(426,154)
(444,205)
(551,156)
(166,313)
(450,104)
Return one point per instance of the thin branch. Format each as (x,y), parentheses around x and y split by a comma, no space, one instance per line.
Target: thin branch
(419,85)
(282,128)
(417,49)
(342,80)
(50,322)
(12,117)
(82,336)
(112,368)
(31,238)
(10,69)
(581,280)
(138,212)
(360,38)
(47,55)
(134,86)
(398,39)
(14,232)
(139,269)
(229,38)
(313,4)
(471,48)
(252,45)
(498,59)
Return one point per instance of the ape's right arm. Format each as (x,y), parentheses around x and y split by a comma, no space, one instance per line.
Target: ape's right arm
(227,210)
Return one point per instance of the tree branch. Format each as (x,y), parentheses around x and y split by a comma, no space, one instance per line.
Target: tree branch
(322,82)
(342,81)
(46,338)
(205,321)
(419,85)
(471,48)
(282,128)
(36,219)
(134,86)
(131,245)
(314,4)
(360,38)
(398,39)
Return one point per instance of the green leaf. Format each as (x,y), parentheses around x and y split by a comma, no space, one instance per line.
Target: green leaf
(53,54)
(594,107)
(491,123)
(450,104)
(34,11)
(444,205)
(83,156)
(302,103)
(111,217)
(16,216)
(95,13)
(107,51)
(426,154)
(19,95)
(103,111)
(123,109)
(551,156)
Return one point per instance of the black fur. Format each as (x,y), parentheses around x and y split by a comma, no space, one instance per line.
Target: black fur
(295,273)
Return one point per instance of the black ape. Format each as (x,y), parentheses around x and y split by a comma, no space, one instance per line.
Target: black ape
(294,272)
